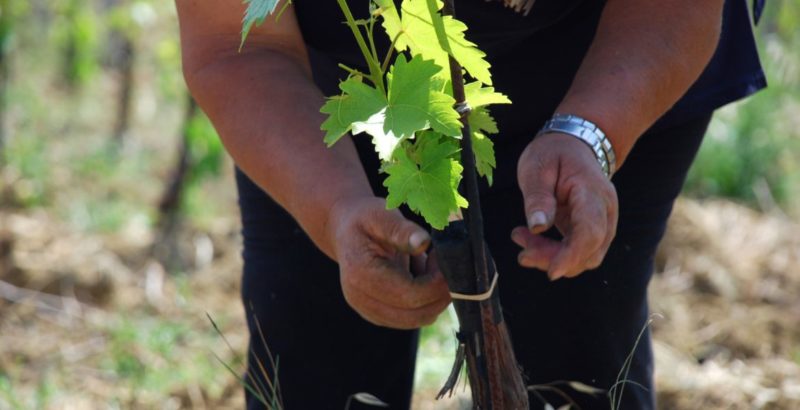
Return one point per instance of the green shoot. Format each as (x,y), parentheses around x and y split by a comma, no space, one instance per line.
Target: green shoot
(406,106)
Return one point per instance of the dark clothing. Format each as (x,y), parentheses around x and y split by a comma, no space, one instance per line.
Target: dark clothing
(578,329)
(533,59)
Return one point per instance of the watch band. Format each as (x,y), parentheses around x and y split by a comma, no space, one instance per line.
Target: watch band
(587,132)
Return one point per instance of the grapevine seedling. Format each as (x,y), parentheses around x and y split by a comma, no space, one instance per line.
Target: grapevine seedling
(404,102)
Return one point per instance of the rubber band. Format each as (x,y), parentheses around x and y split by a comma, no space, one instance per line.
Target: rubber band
(463,108)
(479,297)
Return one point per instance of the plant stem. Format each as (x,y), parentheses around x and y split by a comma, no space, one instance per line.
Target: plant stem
(352,71)
(371,39)
(472,215)
(390,53)
(376,75)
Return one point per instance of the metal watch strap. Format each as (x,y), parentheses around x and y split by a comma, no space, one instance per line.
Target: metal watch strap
(587,132)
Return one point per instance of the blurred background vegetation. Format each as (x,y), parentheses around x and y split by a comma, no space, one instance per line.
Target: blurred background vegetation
(118,220)
(751,151)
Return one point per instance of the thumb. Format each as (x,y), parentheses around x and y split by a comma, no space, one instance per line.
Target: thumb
(395,231)
(538,192)
(540,210)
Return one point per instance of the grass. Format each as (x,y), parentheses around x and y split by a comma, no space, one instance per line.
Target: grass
(268,395)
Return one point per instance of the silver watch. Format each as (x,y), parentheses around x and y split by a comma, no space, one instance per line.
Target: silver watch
(587,132)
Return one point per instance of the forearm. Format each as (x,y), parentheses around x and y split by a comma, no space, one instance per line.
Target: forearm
(266,110)
(644,57)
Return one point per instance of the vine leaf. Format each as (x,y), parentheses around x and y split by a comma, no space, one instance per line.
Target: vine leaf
(429,184)
(483,148)
(414,102)
(480,96)
(357,104)
(257,11)
(416,30)
(480,120)
(481,124)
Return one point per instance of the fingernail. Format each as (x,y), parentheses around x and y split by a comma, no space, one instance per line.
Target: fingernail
(418,239)
(537,221)
(555,275)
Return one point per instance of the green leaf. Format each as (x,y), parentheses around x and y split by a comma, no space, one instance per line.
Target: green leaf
(257,11)
(480,120)
(414,103)
(358,103)
(416,29)
(483,148)
(482,123)
(429,185)
(479,96)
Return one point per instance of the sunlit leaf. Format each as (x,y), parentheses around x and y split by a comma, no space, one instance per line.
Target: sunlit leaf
(414,103)
(415,30)
(479,96)
(429,185)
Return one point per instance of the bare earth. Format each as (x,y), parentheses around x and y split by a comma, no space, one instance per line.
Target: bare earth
(93,322)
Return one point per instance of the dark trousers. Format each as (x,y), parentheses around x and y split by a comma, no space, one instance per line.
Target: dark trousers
(578,329)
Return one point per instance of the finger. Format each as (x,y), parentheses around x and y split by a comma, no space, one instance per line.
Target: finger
(537,252)
(393,283)
(612,215)
(538,183)
(375,311)
(584,236)
(393,230)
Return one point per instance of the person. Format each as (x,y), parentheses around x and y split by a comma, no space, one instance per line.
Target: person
(326,265)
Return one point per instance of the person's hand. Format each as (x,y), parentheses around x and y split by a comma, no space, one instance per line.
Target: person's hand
(377,250)
(563,185)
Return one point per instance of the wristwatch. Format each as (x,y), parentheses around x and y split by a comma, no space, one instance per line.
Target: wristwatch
(587,132)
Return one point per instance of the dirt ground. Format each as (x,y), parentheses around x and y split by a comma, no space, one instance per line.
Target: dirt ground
(90,321)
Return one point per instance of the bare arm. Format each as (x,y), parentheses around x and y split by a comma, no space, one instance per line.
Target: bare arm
(644,57)
(265,108)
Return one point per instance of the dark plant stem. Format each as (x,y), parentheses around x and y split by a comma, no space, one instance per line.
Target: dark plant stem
(472,216)
(493,371)
(125,96)
(166,247)
(71,48)
(120,56)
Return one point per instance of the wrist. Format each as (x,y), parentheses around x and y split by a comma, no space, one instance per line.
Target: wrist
(588,133)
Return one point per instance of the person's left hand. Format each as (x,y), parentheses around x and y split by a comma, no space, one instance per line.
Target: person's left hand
(563,185)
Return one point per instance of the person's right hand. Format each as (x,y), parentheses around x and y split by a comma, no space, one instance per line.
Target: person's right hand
(376,249)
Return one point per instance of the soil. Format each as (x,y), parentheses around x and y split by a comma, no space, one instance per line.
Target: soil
(727,330)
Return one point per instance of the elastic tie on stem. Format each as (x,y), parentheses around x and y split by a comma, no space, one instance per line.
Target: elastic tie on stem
(463,108)
(479,297)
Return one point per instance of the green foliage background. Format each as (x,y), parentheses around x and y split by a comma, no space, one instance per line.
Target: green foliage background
(61,92)
(752,150)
